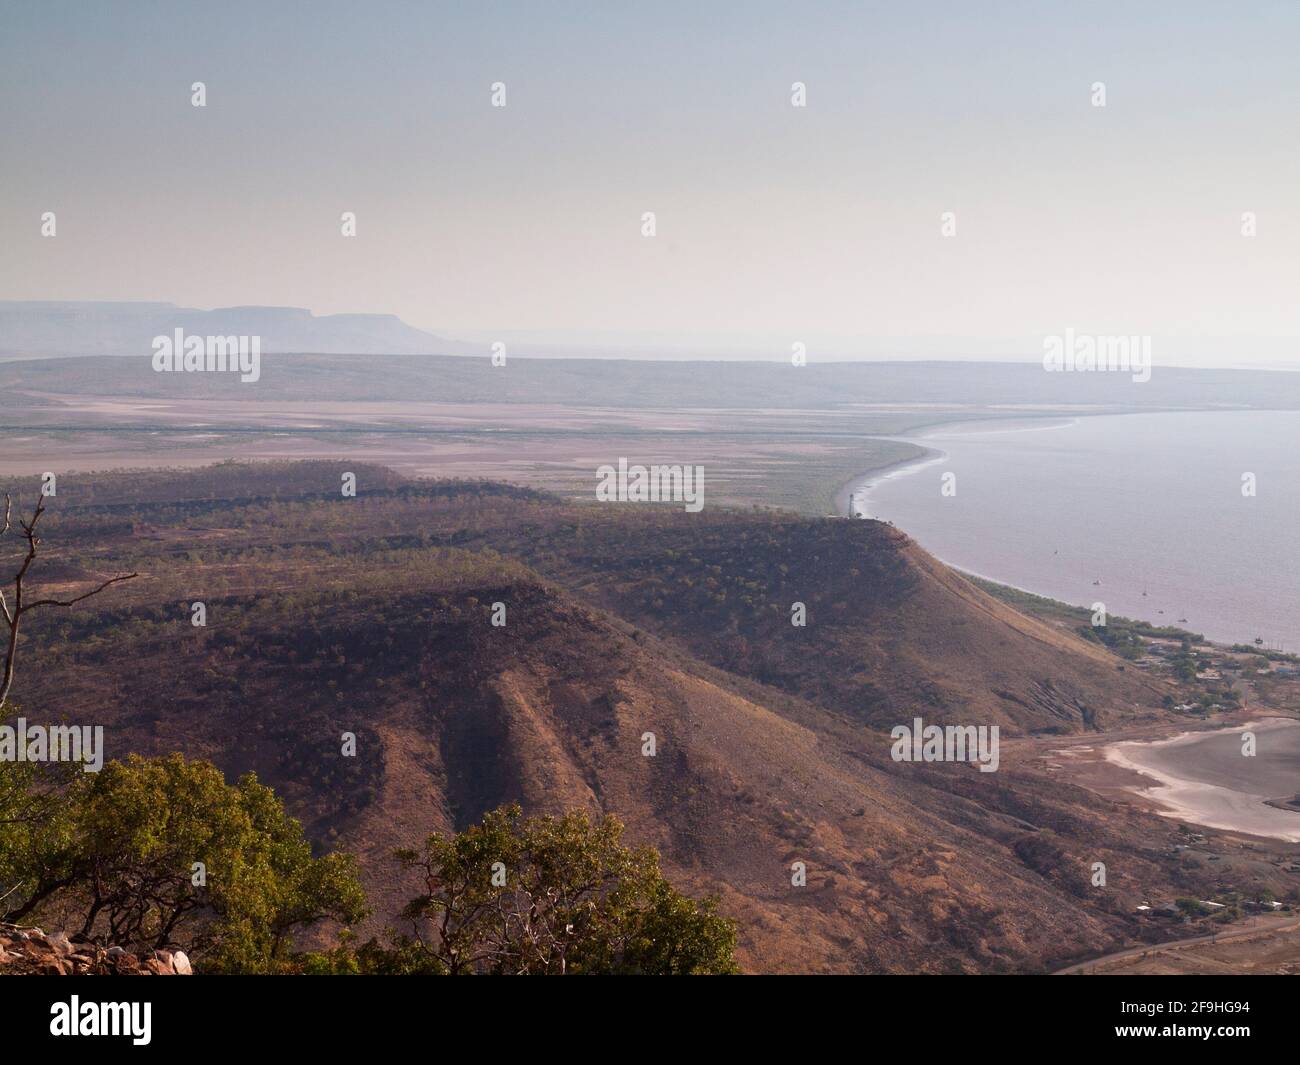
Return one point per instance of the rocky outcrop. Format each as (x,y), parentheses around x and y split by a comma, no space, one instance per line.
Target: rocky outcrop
(30,951)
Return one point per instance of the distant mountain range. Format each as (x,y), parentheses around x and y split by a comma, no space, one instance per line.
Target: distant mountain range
(44,328)
(61,347)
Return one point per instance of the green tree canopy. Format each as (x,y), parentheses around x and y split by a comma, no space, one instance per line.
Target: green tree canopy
(150,853)
(548,895)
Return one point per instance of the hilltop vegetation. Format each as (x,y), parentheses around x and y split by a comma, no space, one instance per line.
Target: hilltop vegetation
(148,854)
(624,630)
(162,854)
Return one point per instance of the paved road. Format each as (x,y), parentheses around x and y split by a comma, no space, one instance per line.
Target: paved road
(1269,924)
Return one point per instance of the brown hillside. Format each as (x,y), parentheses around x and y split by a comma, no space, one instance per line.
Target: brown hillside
(890,631)
(909,867)
(372,616)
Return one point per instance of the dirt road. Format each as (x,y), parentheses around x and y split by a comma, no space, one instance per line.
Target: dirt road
(1259,925)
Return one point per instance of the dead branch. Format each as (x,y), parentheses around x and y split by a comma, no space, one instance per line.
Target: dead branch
(13,616)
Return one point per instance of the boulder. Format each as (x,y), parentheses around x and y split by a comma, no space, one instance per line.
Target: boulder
(31,951)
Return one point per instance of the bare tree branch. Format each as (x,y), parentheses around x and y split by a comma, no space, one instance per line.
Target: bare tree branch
(79,598)
(13,616)
(4,603)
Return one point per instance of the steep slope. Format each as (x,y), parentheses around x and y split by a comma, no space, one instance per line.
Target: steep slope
(889,632)
(373,617)
(909,867)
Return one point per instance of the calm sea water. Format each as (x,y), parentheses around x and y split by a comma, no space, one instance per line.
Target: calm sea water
(1142,502)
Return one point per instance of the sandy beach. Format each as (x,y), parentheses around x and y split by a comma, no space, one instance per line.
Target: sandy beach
(1204,778)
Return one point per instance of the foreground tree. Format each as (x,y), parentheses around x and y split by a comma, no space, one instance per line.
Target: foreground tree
(155,853)
(553,895)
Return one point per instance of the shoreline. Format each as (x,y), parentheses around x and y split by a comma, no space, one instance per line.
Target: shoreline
(1198,802)
(865,485)
(866,480)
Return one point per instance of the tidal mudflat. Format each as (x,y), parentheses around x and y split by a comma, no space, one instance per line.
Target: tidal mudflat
(1204,777)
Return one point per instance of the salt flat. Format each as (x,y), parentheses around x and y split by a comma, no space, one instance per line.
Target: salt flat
(1204,777)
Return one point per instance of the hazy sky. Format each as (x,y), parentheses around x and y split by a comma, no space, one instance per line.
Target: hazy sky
(775,223)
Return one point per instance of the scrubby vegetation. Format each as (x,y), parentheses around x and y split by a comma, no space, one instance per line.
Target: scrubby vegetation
(372,617)
(543,896)
(161,853)
(153,853)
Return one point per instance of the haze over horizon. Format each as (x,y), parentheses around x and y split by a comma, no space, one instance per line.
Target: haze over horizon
(774,223)
(573,488)
(35,329)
